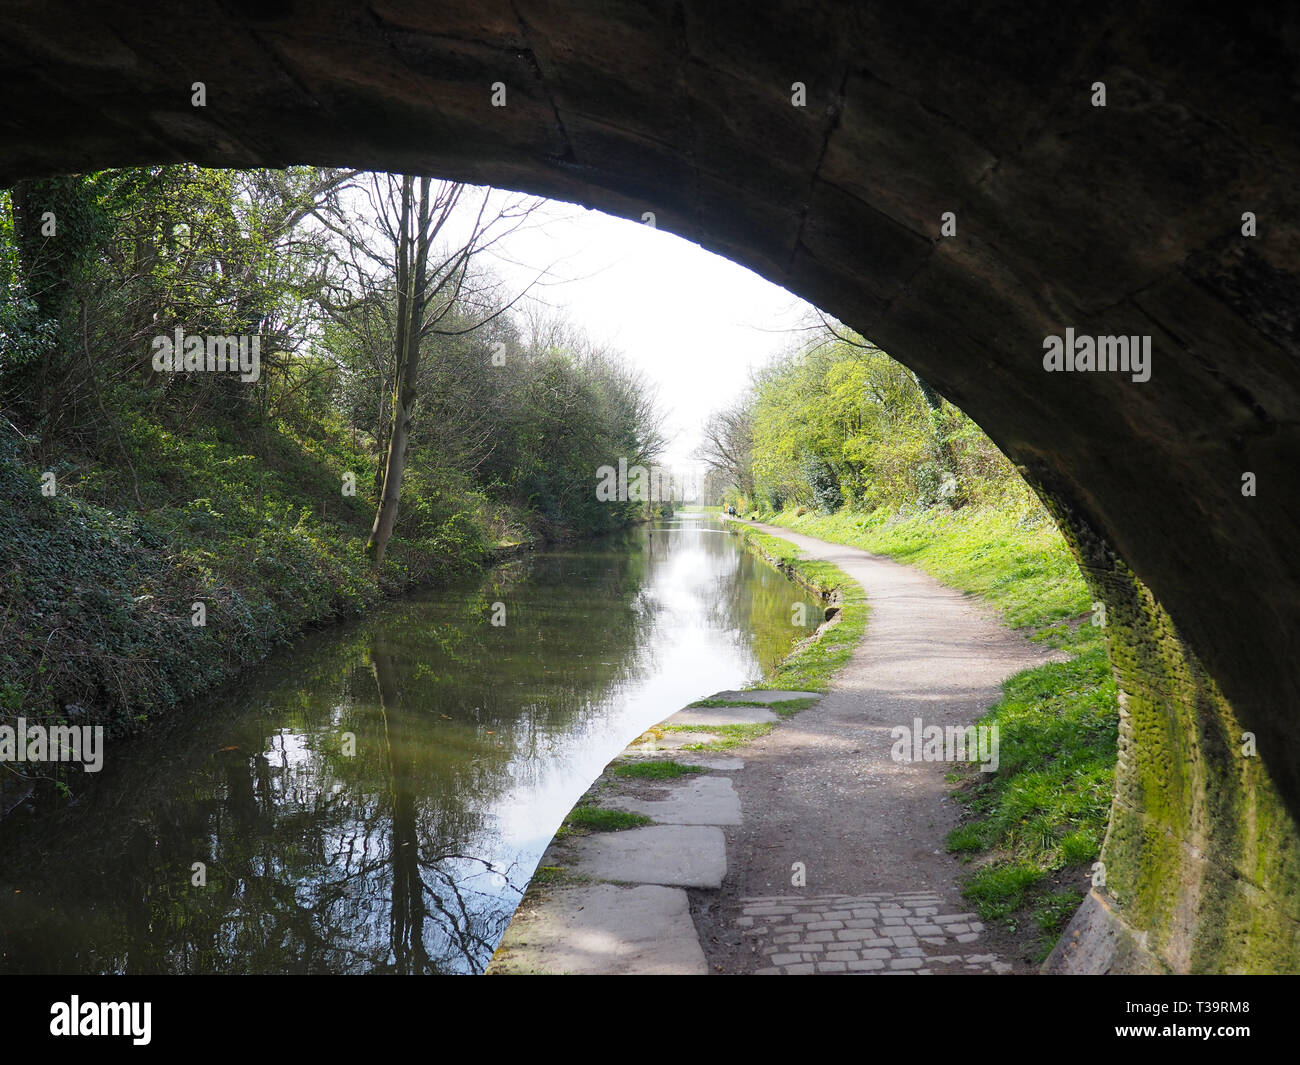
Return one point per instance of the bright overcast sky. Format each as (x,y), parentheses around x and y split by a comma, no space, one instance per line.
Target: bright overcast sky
(694,322)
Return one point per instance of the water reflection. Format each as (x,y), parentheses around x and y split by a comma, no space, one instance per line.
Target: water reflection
(376,798)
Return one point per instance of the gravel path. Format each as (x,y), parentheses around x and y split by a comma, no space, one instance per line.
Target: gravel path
(822,790)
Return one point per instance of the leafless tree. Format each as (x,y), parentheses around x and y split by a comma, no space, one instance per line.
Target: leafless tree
(414,260)
(728,445)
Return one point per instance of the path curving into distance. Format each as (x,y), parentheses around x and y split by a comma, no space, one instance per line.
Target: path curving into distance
(706,884)
(822,789)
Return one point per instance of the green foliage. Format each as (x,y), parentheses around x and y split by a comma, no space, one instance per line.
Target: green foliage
(841,423)
(1053,913)
(786,708)
(825,486)
(176,489)
(1044,811)
(546,875)
(729,737)
(999,890)
(97,597)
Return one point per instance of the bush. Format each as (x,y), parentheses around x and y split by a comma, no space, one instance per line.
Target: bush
(827,495)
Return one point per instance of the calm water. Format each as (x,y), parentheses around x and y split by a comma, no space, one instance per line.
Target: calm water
(472,741)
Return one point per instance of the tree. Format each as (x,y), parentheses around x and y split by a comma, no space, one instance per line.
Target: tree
(728,445)
(398,266)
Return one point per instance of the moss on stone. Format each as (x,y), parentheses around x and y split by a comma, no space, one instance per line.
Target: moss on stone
(1202,856)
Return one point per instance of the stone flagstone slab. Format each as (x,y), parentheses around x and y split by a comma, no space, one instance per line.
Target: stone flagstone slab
(721,715)
(768,697)
(604,929)
(691,801)
(675,855)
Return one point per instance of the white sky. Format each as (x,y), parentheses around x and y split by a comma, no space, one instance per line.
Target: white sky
(694,322)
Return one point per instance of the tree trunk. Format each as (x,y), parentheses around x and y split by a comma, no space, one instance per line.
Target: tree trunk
(412,271)
(394,470)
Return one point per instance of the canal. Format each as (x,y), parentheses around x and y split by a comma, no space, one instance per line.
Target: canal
(375,798)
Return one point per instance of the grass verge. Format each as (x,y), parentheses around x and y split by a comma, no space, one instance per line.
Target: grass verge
(1033,828)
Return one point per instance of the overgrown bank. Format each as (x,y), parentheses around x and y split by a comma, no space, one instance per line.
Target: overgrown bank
(235,405)
(111,614)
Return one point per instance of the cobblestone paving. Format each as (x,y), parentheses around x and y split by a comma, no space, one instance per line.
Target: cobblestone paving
(885,934)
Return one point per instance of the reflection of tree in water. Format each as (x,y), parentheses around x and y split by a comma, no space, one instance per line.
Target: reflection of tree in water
(754,601)
(465,922)
(317,862)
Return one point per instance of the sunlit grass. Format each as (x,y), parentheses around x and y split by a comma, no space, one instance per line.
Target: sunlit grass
(730,736)
(1045,809)
(600,819)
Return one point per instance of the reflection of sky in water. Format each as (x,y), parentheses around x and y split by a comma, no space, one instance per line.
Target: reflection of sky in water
(411,856)
(689,656)
(688,653)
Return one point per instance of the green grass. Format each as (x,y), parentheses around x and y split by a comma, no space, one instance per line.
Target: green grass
(790,707)
(785,708)
(731,736)
(554,876)
(1052,914)
(600,819)
(547,875)
(659,770)
(999,890)
(1044,811)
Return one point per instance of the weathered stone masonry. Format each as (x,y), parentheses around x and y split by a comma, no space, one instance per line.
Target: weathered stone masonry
(1123,220)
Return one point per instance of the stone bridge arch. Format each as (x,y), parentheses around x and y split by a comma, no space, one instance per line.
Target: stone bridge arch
(1124,219)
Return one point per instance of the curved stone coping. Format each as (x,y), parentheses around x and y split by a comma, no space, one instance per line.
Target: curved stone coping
(763,695)
(721,715)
